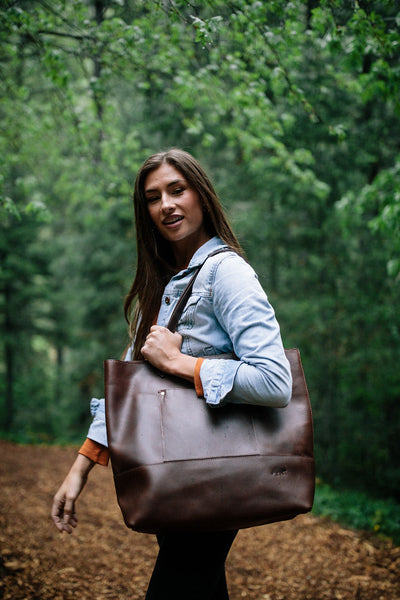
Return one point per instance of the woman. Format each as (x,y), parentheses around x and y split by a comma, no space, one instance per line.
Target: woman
(179,222)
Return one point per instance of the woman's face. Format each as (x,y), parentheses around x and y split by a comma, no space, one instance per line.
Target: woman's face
(175,209)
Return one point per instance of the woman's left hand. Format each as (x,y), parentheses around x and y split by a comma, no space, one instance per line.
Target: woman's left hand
(162,348)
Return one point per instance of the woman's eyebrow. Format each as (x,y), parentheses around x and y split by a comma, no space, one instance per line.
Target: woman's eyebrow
(170,184)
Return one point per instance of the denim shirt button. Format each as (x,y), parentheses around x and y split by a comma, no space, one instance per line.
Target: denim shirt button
(167,300)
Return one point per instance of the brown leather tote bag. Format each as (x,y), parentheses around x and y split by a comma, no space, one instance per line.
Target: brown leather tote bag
(179,464)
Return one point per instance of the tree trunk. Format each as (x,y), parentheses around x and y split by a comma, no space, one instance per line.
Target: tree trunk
(9,362)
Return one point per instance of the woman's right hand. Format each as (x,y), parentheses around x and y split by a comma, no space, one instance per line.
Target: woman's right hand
(63,511)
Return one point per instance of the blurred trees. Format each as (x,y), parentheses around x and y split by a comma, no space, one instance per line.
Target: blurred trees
(294,109)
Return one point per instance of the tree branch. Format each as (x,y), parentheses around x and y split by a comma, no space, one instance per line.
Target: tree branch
(73,36)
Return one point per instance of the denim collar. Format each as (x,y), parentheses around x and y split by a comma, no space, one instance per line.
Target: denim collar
(201,254)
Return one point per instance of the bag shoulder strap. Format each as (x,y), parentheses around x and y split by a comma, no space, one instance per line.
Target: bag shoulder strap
(176,314)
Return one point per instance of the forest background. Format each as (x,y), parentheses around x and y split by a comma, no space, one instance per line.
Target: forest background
(294,110)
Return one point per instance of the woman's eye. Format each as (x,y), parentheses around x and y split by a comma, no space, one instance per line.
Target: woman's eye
(151,199)
(178,191)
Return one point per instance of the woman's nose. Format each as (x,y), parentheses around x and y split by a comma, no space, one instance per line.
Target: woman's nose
(167,202)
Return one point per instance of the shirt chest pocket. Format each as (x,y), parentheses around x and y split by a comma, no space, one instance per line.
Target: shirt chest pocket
(190,312)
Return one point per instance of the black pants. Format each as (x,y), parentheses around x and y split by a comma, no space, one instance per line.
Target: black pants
(191,566)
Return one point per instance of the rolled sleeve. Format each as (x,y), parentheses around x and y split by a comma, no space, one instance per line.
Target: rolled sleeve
(95,452)
(97,430)
(217,378)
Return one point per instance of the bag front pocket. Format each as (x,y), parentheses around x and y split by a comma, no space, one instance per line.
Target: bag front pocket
(223,428)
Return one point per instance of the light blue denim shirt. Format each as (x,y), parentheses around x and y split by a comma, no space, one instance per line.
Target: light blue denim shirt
(227,312)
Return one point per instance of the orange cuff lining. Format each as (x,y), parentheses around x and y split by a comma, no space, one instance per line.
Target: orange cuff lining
(95,452)
(198,386)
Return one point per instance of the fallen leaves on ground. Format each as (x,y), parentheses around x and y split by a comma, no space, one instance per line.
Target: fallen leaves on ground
(304,559)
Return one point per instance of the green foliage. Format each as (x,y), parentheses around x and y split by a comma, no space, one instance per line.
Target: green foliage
(293,108)
(380,202)
(358,510)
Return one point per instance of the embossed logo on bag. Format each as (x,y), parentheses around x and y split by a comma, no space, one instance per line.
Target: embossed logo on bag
(279,471)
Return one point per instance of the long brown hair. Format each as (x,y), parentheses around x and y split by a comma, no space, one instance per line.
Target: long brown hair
(155,260)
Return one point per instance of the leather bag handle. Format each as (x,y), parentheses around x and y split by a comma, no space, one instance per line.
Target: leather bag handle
(178,310)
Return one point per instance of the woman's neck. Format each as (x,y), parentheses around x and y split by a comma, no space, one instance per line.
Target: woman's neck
(185,249)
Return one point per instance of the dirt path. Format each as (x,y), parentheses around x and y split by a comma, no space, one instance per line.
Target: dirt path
(307,558)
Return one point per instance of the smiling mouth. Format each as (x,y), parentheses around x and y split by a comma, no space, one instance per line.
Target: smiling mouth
(173,220)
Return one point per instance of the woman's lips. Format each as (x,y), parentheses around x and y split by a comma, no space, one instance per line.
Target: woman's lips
(172,220)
